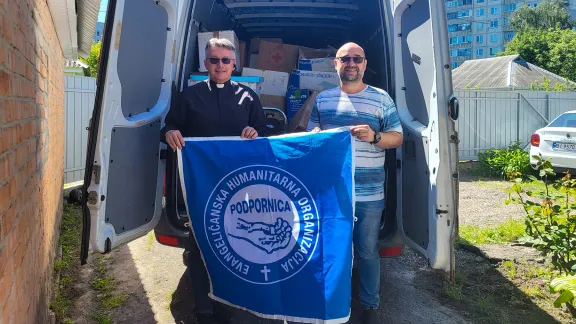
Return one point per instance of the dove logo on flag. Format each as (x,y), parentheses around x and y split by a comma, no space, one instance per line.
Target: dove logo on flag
(259,217)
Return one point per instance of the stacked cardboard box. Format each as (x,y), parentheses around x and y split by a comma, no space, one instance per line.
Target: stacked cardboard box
(273,88)
(319,60)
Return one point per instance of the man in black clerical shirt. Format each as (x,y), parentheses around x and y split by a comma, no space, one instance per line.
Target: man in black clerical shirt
(215,107)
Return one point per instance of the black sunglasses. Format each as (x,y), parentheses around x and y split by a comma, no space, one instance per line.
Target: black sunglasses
(215,60)
(356,59)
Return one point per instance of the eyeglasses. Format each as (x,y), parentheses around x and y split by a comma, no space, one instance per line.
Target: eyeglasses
(356,59)
(215,60)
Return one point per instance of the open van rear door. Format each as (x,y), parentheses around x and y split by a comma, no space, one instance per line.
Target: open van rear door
(124,172)
(428,179)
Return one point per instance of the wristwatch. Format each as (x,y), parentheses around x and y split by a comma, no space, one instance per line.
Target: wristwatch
(377,138)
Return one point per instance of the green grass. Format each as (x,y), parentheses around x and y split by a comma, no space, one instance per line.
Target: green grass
(149,241)
(508,231)
(114,301)
(103,318)
(69,241)
(108,298)
(453,292)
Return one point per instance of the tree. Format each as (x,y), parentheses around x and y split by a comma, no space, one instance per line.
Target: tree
(553,49)
(93,59)
(548,14)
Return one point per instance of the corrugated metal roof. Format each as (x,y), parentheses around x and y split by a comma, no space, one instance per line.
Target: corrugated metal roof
(87,12)
(75,22)
(510,71)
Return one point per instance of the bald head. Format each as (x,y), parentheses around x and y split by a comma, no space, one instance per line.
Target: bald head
(350,47)
(350,63)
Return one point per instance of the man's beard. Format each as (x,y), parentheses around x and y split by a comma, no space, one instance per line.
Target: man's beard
(347,78)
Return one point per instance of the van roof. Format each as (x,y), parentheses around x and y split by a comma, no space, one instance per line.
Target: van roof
(264,17)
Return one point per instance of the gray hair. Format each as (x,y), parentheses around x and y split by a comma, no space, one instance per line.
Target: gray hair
(222,43)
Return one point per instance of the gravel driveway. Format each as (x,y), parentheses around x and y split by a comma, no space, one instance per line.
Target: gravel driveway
(482,203)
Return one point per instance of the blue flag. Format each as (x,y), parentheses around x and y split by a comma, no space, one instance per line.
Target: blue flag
(273,218)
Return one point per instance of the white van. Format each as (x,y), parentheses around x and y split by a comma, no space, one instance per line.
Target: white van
(149,50)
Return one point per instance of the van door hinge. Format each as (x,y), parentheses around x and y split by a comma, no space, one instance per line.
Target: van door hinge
(441,211)
(92,197)
(454,139)
(96,170)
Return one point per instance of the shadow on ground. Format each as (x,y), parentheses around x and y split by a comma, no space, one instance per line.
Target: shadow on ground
(413,293)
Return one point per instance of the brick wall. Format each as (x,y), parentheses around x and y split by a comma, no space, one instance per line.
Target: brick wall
(31,158)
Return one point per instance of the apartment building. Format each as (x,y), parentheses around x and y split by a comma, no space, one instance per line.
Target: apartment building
(481,28)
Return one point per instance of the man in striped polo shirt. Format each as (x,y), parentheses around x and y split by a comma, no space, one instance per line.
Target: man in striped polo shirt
(373,120)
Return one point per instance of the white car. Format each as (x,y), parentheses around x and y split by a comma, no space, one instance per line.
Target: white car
(556,141)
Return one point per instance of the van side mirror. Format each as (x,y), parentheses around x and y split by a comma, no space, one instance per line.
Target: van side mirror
(454,108)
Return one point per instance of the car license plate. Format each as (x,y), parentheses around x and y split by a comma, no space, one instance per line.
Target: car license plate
(564,146)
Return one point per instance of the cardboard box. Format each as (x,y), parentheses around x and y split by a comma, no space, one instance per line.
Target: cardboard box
(243,55)
(317,64)
(275,83)
(277,57)
(253,61)
(255,43)
(203,39)
(252,82)
(300,121)
(312,53)
(311,80)
(294,101)
(274,102)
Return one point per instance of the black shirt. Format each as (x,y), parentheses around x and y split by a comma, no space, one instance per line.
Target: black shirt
(207,109)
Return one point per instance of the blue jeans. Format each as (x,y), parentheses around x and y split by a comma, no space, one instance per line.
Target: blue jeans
(368,215)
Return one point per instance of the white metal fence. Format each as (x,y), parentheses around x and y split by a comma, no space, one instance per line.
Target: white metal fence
(488,119)
(78,105)
(494,119)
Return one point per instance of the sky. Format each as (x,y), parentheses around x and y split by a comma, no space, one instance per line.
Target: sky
(102,13)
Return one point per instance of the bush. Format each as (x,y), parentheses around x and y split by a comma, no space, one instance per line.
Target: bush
(551,224)
(505,162)
(550,217)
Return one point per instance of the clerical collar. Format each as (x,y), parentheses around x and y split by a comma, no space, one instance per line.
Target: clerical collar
(219,85)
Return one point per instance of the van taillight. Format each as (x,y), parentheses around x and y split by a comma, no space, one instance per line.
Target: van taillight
(389,252)
(535,140)
(167,240)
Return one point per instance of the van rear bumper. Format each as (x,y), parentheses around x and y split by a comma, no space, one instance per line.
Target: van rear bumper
(168,234)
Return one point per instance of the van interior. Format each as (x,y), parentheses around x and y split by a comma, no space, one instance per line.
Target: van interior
(312,24)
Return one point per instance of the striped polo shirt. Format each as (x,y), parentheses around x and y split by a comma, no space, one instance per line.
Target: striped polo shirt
(372,106)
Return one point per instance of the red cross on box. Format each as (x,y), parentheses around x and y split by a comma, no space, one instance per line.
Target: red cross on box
(277,57)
